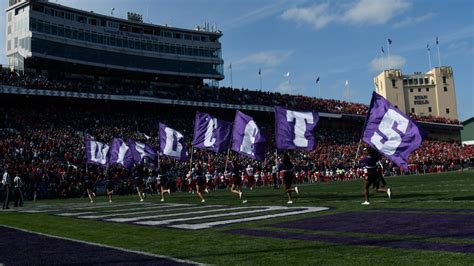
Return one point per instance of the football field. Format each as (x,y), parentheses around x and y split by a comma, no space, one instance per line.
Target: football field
(429,220)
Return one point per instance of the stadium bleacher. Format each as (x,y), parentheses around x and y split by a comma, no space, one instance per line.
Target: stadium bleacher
(42,140)
(194,93)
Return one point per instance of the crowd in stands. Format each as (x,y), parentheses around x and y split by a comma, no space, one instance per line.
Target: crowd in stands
(44,145)
(435,119)
(199,93)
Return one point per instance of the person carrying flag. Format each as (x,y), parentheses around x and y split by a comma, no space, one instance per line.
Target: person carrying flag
(391,133)
(374,176)
(200,181)
(286,167)
(110,188)
(140,173)
(88,184)
(236,188)
(163,176)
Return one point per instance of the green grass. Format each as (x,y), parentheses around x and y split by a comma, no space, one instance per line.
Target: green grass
(214,246)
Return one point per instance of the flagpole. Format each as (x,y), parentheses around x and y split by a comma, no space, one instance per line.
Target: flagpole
(361,136)
(319,89)
(260,74)
(158,157)
(388,50)
(429,55)
(227,157)
(346,89)
(439,57)
(384,62)
(360,140)
(226,161)
(191,159)
(230,66)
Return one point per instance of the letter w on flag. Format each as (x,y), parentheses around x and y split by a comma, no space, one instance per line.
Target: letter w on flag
(96,152)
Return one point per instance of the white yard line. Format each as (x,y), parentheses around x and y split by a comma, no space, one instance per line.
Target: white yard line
(267,208)
(170,215)
(81,207)
(137,213)
(248,219)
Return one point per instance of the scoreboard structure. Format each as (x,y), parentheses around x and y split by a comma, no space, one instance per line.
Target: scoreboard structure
(48,37)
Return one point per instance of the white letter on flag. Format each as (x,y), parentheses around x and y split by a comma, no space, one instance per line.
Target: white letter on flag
(121,155)
(172,137)
(140,147)
(208,139)
(250,132)
(300,118)
(394,139)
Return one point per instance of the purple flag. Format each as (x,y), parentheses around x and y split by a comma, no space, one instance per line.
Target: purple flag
(391,132)
(247,138)
(294,130)
(96,152)
(120,153)
(211,133)
(172,143)
(141,150)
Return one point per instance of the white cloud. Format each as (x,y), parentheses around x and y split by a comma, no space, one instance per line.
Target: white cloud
(410,21)
(375,11)
(265,59)
(362,12)
(290,88)
(462,48)
(254,15)
(315,15)
(381,63)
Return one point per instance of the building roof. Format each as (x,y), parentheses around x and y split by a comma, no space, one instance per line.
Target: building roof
(468,121)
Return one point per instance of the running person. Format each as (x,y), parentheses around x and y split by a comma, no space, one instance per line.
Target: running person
(17,193)
(286,166)
(110,189)
(250,173)
(373,177)
(88,184)
(275,175)
(139,174)
(7,183)
(163,174)
(236,187)
(200,181)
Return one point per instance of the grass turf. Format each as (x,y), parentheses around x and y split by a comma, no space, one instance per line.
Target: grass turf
(215,246)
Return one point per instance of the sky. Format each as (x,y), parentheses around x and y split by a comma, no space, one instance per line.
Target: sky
(337,41)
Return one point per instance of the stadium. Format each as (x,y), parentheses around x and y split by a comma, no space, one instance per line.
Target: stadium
(76,77)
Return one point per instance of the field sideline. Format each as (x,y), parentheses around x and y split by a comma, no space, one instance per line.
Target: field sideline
(429,220)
